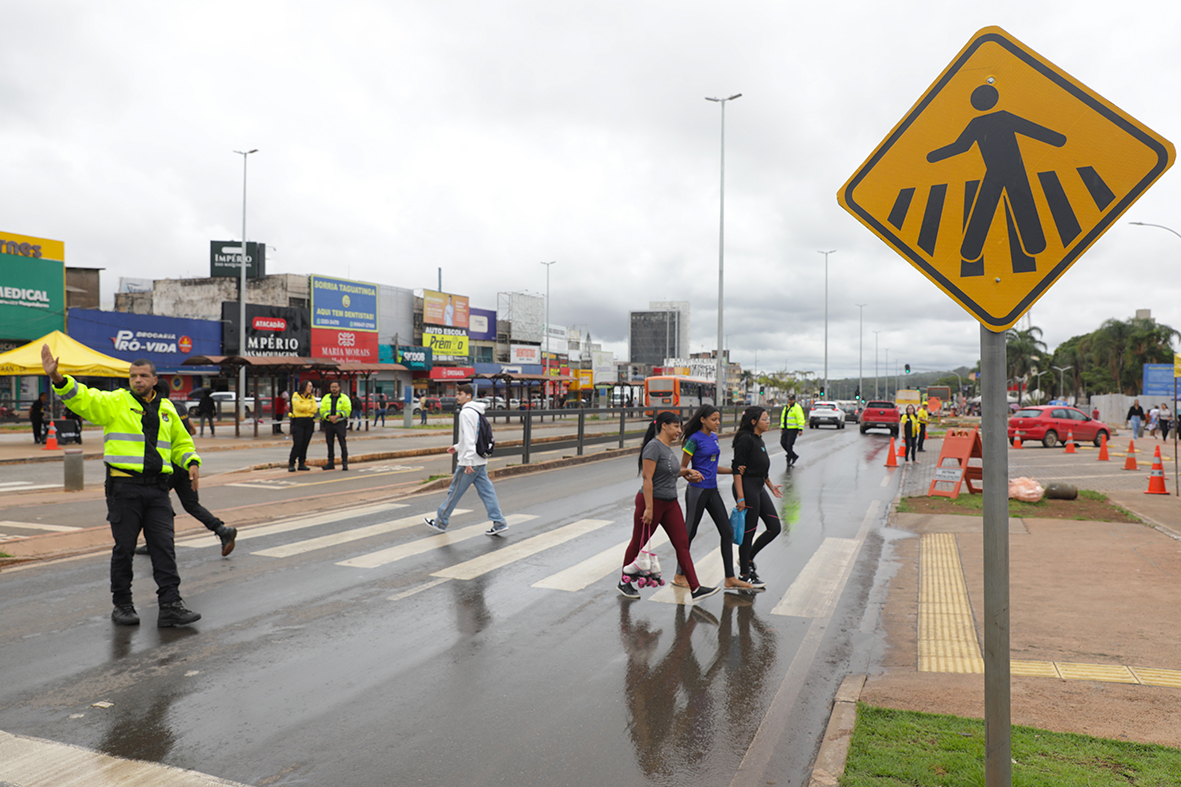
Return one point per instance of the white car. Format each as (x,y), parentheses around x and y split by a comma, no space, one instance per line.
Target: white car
(826,413)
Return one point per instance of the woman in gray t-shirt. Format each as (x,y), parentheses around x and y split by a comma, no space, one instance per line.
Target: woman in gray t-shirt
(657,504)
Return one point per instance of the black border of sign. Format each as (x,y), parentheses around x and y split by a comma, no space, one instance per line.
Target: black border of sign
(1086,241)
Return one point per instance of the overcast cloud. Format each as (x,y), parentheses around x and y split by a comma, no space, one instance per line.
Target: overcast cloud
(483,138)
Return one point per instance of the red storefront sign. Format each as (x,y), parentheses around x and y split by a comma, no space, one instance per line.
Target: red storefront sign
(345,345)
(452,372)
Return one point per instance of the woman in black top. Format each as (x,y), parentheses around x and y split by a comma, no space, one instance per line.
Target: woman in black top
(751,489)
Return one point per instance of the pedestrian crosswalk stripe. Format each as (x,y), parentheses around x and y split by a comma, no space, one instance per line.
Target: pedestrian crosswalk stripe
(813,593)
(39,526)
(519,550)
(710,572)
(356,534)
(607,563)
(288,525)
(421,586)
(394,554)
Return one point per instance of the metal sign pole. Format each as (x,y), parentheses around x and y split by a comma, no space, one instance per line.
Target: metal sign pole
(998,769)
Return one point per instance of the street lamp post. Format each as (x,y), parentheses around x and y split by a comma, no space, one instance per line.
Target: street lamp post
(887,372)
(721,364)
(545,366)
(875,364)
(1062,377)
(242,307)
(826,253)
(860,346)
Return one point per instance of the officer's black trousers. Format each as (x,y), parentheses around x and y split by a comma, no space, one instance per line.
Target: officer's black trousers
(130,509)
(337,431)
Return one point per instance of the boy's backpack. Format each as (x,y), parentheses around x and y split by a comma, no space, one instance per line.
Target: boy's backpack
(485,442)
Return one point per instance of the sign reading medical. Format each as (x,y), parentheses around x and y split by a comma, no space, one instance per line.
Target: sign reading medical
(1002,175)
(225,259)
(270,330)
(440,308)
(340,303)
(446,344)
(166,341)
(32,287)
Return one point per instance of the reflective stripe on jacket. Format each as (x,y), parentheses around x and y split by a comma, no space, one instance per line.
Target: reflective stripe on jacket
(123,417)
(303,406)
(344,407)
(792,417)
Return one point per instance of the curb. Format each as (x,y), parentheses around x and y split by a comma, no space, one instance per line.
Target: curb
(834,748)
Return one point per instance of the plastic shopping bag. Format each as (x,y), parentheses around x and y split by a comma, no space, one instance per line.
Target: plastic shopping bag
(738,524)
(1026,490)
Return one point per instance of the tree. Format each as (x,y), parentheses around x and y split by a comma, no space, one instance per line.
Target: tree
(1023,351)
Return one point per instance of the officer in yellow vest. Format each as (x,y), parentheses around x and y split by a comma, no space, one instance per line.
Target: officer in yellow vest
(791,421)
(334,411)
(923,419)
(142,438)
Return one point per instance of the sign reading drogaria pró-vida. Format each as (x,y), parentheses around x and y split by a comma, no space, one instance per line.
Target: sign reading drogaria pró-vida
(1005,172)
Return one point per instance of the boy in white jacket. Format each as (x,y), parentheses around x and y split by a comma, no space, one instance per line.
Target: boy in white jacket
(471,468)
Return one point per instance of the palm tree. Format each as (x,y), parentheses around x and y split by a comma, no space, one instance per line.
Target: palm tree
(1023,350)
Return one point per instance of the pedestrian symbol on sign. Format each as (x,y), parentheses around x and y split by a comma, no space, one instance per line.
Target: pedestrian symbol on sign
(1001,176)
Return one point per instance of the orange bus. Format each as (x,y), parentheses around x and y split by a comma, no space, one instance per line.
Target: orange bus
(671,390)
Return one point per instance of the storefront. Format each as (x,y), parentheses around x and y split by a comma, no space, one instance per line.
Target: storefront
(32,304)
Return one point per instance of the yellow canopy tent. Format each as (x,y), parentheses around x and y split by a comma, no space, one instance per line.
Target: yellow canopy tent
(75,359)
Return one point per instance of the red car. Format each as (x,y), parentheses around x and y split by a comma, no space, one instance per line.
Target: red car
(1052,424)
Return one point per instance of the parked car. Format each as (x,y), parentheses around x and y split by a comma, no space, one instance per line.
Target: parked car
(448,404)
(224,404)
(826,413)
(880,414)
(1053,424)
(852,414)
(493,402)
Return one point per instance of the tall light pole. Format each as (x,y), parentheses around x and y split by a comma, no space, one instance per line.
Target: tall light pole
(545,366)
(887,373)
(860,345)
(721,365)
(242,303)
(875,364)
(1062,377)
(826,253)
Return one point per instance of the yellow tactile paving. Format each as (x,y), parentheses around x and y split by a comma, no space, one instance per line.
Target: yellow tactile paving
(947,640)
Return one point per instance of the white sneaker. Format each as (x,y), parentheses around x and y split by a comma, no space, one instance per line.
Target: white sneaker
(433,525)
(497,529)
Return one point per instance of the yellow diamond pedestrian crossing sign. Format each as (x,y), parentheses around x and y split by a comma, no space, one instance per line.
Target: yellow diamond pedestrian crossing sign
(1002,175)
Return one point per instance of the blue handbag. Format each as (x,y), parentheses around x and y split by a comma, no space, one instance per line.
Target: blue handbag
(738,524)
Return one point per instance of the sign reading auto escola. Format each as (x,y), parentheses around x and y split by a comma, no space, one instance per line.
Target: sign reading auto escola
(1002,175)
(344,320)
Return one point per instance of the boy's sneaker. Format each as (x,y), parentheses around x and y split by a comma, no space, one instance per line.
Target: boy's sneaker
(704,592)
(434,525)
(754,580)
(626,589)
(497,529)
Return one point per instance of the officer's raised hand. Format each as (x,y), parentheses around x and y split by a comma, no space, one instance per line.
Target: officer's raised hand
(49,364)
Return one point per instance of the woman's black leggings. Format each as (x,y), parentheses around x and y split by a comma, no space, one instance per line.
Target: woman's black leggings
(699,500)
(759,505)
(909,451)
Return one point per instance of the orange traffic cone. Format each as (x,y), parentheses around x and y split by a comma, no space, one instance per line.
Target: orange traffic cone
(1130,462)
(1070,449)
(1103,457)
(1016,440)
(902,447)
(51,440)
(891,457)
(1156,481)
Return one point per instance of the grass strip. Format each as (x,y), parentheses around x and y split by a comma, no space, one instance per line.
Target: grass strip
(894,748)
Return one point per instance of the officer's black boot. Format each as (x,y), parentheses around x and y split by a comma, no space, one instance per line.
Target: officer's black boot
(124,615)
(174,613)
(227,536)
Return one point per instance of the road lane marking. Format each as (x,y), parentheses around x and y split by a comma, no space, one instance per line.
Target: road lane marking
(591,570)
(344,537)
(885,481)
(417,589)
(710,572)
(25,486)
(36,761)
(38,526)
(518,550)
(394,554)
(815,591)
(299,523)
(283,483)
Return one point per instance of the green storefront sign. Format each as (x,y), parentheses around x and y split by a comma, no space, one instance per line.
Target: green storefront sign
(32,297)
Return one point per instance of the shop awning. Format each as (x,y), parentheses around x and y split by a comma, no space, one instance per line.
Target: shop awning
(74,358)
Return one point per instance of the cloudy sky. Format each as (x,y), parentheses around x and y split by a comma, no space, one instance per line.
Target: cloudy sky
(397,138)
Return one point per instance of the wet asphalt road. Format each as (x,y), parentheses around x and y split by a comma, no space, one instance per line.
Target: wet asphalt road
(318,663)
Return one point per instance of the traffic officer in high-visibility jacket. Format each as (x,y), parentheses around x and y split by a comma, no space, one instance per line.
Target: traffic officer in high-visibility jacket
(791,421)
(334,411)
(142,438)
(924,417)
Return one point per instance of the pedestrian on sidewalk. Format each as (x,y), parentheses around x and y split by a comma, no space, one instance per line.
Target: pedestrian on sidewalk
(751,466)
(1135,418)
(334,413)
(471,468)
(422,407)
(924,418)
(303,426)
(657,504)
(1153,421)
(143,442)
(382,406)
(37,418)
(911,429)
(700,452)
(206,409)
(1166,420)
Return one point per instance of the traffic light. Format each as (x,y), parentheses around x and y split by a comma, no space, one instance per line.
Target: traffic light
(907,368)
(858,395)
